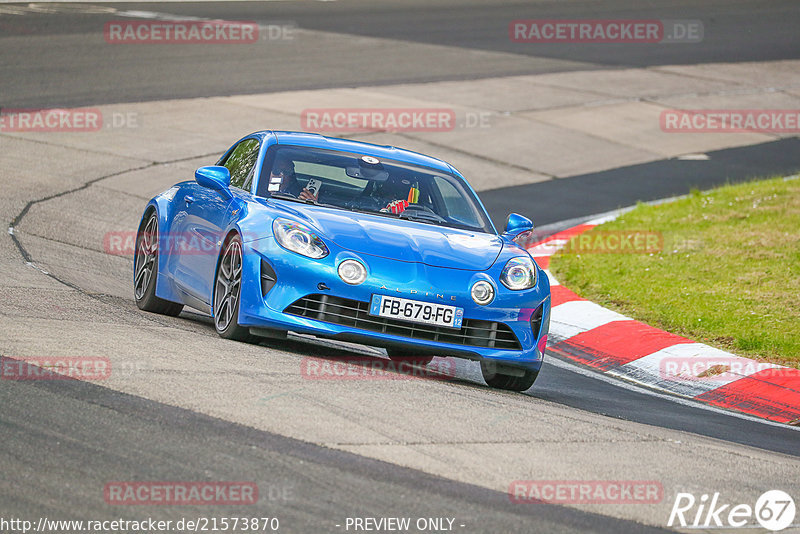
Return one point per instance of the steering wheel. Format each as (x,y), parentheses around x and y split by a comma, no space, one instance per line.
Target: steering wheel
(423,212)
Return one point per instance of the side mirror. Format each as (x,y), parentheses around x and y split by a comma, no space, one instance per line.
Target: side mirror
(516,224)
(214,177)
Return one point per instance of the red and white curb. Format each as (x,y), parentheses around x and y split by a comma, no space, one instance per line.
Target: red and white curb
(617,345)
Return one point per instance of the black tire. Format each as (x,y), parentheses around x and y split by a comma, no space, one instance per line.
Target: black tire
(508,382)
(145,271)
(403,355)
(227,290)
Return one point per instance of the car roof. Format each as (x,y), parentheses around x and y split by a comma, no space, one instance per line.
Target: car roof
(359,147)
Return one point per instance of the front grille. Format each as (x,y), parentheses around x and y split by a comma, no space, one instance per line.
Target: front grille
(353,313)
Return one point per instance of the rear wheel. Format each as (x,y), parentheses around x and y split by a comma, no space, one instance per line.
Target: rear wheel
(500,377)
(227,293)
(412,357)
(145,271)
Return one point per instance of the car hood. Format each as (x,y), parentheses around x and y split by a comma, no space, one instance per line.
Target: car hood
(403,240)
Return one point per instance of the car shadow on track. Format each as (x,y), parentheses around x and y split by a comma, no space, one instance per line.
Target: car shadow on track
(326,359)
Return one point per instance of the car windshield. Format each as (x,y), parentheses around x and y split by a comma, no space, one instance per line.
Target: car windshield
(366,184)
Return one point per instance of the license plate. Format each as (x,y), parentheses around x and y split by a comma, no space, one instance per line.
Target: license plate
(416,311)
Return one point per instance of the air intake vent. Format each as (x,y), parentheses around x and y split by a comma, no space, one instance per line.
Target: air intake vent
(268,278)
(536,321)
(353,313)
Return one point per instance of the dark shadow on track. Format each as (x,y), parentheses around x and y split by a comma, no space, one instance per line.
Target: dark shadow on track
(565,387)
(64,440)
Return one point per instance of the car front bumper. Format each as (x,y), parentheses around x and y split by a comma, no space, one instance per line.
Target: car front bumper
(292,302)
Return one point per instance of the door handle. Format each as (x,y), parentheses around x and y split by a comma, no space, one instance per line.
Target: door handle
(189,200)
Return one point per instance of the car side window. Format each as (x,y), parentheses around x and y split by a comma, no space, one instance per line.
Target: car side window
(242,162)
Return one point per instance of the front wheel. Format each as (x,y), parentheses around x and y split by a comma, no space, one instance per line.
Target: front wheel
(227,293)
(521,380)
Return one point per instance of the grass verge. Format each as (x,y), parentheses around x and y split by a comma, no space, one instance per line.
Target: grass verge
(725,268)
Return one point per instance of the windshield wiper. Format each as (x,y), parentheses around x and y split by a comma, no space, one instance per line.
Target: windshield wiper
(289,196)
(371,212)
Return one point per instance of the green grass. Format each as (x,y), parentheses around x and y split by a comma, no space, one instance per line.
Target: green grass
(728,274)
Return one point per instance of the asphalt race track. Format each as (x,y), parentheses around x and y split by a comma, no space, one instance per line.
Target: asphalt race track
(184,405)
(78,73)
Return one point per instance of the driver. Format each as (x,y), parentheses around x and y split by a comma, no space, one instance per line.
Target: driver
(282,173)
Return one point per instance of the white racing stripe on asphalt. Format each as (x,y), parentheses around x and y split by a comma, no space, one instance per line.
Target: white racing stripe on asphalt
(572,318)
(548,248)
(644,389)
(659,369)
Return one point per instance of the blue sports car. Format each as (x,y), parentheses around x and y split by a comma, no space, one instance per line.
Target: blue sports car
(341,239)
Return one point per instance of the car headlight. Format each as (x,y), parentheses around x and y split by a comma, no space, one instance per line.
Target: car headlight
(297,238)
(519,273)
(352,272)
(482,292)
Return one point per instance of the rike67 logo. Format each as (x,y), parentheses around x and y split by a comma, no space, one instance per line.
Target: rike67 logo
(774,510)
